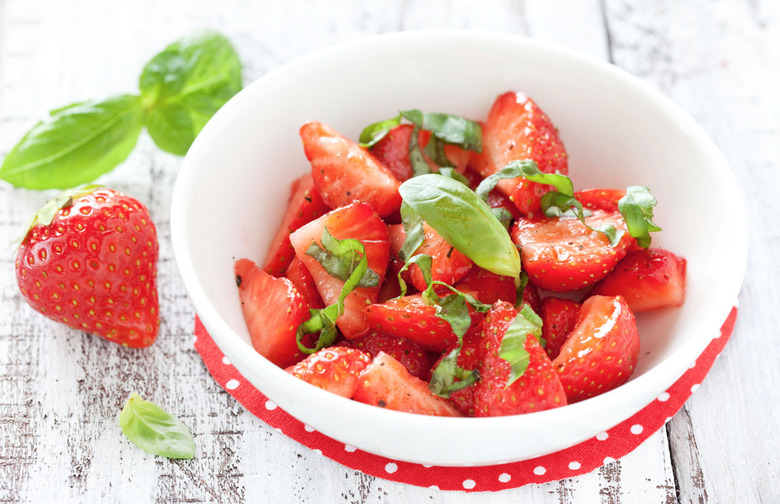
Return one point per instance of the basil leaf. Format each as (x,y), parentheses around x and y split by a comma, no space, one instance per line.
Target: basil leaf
(449,172)
(435,152)
(414,229)
(464,220)
(454,130)
(636,207)
(419,164)
(453,309)
(424,262)
(526,324)
(76,145)
(153,429)
(184,85)
(373,133)
(526,169)
(447,371)
(555,204)
(340,258)
(324,320)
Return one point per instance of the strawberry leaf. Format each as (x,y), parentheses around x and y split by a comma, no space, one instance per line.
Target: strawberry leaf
(153,429)
(526,324)
(636,207)
(375,132)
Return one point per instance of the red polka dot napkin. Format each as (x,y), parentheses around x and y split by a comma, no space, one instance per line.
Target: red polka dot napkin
(579,459)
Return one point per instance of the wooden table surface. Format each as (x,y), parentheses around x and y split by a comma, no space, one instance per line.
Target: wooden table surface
(61,390)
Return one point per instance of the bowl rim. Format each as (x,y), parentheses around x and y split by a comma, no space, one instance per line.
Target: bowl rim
(666,371)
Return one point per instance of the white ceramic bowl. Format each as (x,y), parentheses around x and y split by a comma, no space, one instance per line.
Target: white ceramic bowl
(232,191)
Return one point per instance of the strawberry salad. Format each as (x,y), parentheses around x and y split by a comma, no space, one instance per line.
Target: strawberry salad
(445,266)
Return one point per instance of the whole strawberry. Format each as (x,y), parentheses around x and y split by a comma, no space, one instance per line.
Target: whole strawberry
(89,260)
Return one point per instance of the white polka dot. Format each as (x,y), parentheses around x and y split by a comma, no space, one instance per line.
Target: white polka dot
(318,451)
(427,466)
(601,436)
(667,419)
(694,388)
(693,365)
(716,335)
(391,468)
(663,397)
(539,470)
(574,465)
(270,405)
(637,429)
(736,303)
(469,484)
(277,429)
(504,478)
(225,361)
(433,487)
(308,428)
(194,339)
(232,384)
(608,460)
(349,448)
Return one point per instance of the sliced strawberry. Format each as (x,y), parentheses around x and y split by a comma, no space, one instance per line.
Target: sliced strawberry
(601,351)
(391,288)
(600,199)
(559,316)
(531,297)
(344,172)
(335,369)
(447,264)
(488,287)
(517,129)
(472,176)
(304,283)
(405,351)
(647,279)
(393,151)
(304,206)
(387,383)
(497,199)
(409,317)
(537,389)
(273,310)
(469,359)
(360,222)
(561,254)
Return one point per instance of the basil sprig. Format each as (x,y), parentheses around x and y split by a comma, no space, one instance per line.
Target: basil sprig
(526,324)
(180,89)
(347,261)
(464,220)
(375,132)
(636,207)
(155,430)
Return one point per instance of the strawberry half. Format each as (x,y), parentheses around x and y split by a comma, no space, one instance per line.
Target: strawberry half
(405,351)
(360,222)
(488,287)
(469,358)
(516,129)
(344,172)
(273,310)
(90,261)
(562,255)
(305,205)
(537,389)
(335,369)
(600,199)
(387,383)
(647,280)
(601,351)
(559,316)
(304,283)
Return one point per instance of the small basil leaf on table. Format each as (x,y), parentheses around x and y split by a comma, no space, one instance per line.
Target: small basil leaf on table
(184,85)
(155,430)
(373,133)
(464,220)
(636,207)
(76,144)
(527,324)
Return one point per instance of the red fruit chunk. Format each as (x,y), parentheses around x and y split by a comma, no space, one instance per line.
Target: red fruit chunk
(600,199)
(469,358)
(559,316)
(647,280)
(537,389)
(360,222)
(304,283)
(387,383)
(487,286)
(497,199)
(409,317)
(344,172)
(405,351)
(304,206)
(517,129)
(93,266)
(531,297)
(273,310)
(601,351)
(335,369)
(562,255)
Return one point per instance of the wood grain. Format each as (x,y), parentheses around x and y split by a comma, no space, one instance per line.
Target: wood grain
(61,390)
